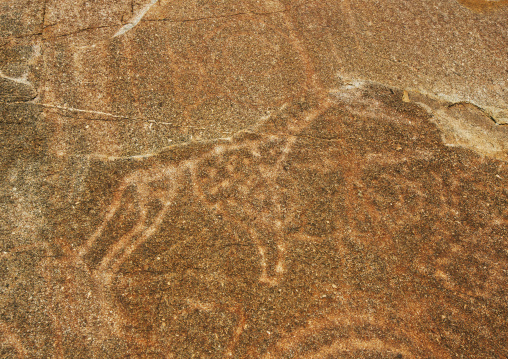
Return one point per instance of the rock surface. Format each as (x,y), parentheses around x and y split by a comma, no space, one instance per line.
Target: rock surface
(253,179)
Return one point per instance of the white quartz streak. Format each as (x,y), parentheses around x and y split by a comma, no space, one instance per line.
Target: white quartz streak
(135,19)
(20,80)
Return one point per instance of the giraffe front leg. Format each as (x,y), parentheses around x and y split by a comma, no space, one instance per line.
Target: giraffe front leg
(145,235)
(110,213)
(140,233)
(140,226)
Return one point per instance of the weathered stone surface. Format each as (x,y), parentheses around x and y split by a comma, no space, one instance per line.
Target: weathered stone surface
(253,179)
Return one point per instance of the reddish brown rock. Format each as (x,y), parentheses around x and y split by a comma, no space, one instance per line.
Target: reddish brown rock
(253,179)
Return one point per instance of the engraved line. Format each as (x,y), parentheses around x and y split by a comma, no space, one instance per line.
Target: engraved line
(142,239)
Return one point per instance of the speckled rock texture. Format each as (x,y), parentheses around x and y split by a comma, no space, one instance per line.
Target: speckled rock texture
(253,179)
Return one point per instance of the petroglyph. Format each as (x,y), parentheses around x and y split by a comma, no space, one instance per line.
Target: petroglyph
(253,185)
(193,179)
(346,342)
(237,178)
